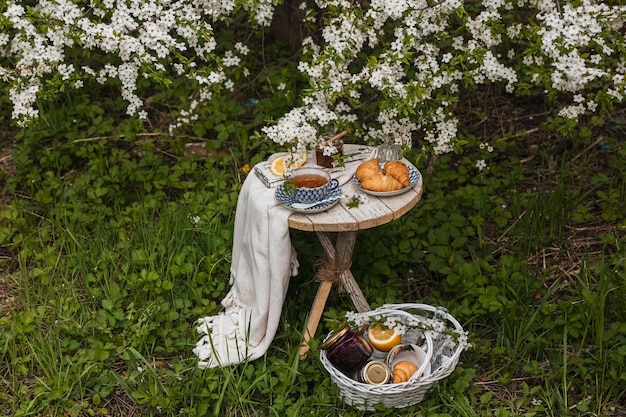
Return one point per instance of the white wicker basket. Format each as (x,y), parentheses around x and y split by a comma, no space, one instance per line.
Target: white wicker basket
(443,349)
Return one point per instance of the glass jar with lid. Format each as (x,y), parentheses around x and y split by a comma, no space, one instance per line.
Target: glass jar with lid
(346,349)
(374,372)
(328,154)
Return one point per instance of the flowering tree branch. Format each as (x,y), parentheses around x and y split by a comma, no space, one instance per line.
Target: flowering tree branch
(379,67)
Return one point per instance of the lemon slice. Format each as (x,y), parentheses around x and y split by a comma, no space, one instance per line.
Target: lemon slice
(383,338)
(279,164)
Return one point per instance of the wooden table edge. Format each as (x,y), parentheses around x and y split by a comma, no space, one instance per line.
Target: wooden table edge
(307,223)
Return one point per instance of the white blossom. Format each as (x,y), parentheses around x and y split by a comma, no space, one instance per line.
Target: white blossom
(399,56)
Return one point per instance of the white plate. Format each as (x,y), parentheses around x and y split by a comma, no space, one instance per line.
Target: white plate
(288,200)
(414,176)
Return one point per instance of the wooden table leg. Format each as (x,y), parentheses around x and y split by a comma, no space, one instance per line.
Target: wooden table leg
(345,247)
(315,315)
(341,251)
(338,255)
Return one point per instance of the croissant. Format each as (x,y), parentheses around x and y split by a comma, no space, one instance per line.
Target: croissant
(367,169)
(403,371)
(374,179)
(399,171)
(381,183)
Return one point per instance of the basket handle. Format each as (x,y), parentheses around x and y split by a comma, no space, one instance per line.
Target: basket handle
(429,354)
(426,307)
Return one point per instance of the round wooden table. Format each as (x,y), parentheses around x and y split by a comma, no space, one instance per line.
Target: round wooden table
(337,230)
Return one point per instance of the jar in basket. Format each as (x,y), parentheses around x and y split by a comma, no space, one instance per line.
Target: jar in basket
(374,372)
(346,349)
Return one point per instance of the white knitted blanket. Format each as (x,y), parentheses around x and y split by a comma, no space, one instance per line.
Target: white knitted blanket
(263,261)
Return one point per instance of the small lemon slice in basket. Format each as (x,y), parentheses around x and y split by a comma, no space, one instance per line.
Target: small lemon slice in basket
(383,338)
(279,164)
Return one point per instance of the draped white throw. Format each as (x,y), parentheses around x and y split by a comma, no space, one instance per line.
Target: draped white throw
(262,262)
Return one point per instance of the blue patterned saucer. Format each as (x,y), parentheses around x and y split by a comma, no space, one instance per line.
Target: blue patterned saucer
(287,200)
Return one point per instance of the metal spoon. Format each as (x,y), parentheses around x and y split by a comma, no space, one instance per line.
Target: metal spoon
(304,206)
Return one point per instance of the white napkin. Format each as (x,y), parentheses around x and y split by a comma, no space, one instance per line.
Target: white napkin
(262,262)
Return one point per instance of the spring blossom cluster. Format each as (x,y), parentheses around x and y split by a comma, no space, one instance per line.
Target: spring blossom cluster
(380,67)
(402,322)
(115,42)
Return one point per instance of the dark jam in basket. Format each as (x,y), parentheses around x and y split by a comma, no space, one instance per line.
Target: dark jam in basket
(347,349)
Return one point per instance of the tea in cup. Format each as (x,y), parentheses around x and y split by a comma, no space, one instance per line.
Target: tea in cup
(312,184)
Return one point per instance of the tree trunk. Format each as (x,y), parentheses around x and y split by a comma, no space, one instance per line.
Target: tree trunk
(287,23)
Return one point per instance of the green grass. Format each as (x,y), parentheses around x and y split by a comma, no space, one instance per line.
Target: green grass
(111,247)
(106,286)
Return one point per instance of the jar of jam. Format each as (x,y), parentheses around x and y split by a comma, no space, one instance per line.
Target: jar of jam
(327,161)
(346,349)
(374,372)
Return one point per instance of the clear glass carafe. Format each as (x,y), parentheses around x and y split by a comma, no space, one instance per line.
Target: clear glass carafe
(388,150)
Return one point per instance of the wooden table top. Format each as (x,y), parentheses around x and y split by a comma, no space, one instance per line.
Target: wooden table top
(375,212)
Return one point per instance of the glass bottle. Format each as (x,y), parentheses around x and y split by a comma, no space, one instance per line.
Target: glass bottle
(440,339)
(388,150)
